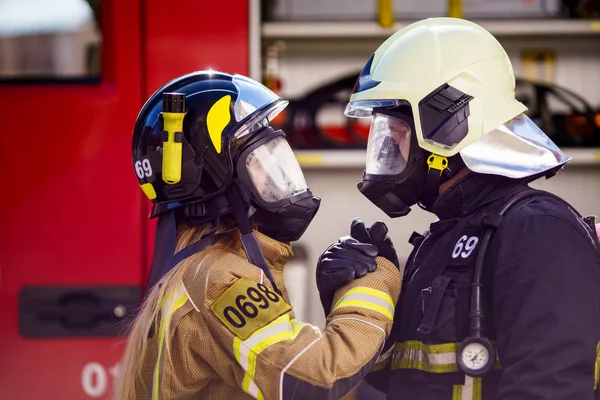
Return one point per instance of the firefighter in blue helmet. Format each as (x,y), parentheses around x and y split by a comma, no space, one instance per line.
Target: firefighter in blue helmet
(501,297)
(229,196)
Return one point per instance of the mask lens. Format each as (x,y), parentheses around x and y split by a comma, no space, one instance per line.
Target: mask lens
(274,171)
(389,145)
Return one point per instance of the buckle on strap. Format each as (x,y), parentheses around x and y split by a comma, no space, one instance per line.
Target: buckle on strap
(437,162)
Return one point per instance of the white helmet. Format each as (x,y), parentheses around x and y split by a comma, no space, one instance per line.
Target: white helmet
(450,82)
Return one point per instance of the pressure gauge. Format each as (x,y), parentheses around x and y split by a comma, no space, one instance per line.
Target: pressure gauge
(475,356)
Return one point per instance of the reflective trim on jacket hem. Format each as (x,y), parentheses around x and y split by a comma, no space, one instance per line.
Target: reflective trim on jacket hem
(435,358)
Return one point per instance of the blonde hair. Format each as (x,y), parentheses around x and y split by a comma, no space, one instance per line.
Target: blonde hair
(149,315)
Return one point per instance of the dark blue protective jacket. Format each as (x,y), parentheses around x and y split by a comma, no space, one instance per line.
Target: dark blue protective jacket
(541,298)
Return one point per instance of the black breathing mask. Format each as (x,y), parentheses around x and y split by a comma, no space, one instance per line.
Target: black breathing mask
(399,173)
(281,205)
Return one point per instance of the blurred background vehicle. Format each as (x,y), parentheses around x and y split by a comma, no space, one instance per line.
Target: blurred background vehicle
(75,240)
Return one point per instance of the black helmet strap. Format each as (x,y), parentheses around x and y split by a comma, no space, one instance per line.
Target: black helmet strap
(163,259)
(249,242)
(164,246)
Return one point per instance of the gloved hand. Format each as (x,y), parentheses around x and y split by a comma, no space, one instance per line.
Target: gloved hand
(340,264)
(377,235)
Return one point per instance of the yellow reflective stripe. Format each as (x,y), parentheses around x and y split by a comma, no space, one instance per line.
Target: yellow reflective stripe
(428,348)
(247,351)
(424,366)
(435,358)
(248,385)
(457,392)
(167,310)
(365,297)
(597,369)
(236,351)
(471,390)
(367,290)
(477,389)
(365,304)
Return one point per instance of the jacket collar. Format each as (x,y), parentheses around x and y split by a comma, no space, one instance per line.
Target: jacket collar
(473,192)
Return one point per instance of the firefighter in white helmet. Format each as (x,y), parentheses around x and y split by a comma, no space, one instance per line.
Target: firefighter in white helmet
(500,298)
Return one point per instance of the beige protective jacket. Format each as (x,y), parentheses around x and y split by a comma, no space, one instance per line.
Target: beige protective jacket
(233,337)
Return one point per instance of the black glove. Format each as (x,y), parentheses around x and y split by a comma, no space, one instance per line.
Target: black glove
(377,235)
(340,264)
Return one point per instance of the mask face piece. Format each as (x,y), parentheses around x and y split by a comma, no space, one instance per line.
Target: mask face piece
(268,168)
(274,171)
(288,222)
(395,175)
(389,145)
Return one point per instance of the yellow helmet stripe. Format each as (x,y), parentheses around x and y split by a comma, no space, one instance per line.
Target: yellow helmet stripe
(217,119)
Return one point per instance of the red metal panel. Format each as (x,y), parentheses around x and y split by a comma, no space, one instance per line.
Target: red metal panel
(185,36)
(70,211)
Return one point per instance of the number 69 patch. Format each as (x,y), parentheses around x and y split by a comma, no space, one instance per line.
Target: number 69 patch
(247,306)
(465,248)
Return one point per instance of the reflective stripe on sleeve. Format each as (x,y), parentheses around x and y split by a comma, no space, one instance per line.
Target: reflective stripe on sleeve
(282,328)
(371,299)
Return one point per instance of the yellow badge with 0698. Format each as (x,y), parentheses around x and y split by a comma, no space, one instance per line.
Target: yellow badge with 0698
(247,306)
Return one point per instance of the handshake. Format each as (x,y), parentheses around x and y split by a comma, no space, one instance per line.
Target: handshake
(352,257)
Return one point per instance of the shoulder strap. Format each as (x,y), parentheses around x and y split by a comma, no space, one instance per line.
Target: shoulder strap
(493,220)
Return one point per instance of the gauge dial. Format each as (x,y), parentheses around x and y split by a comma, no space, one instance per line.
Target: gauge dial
(475,356)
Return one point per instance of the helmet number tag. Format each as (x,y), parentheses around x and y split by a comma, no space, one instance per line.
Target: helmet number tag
(143,168)
(465,246)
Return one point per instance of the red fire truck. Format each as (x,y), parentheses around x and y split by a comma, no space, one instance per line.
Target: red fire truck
(75,241)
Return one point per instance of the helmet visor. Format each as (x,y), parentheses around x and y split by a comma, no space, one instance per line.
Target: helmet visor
(389,145)
(252,96)
(364,108)
(254,100)
(274,171)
